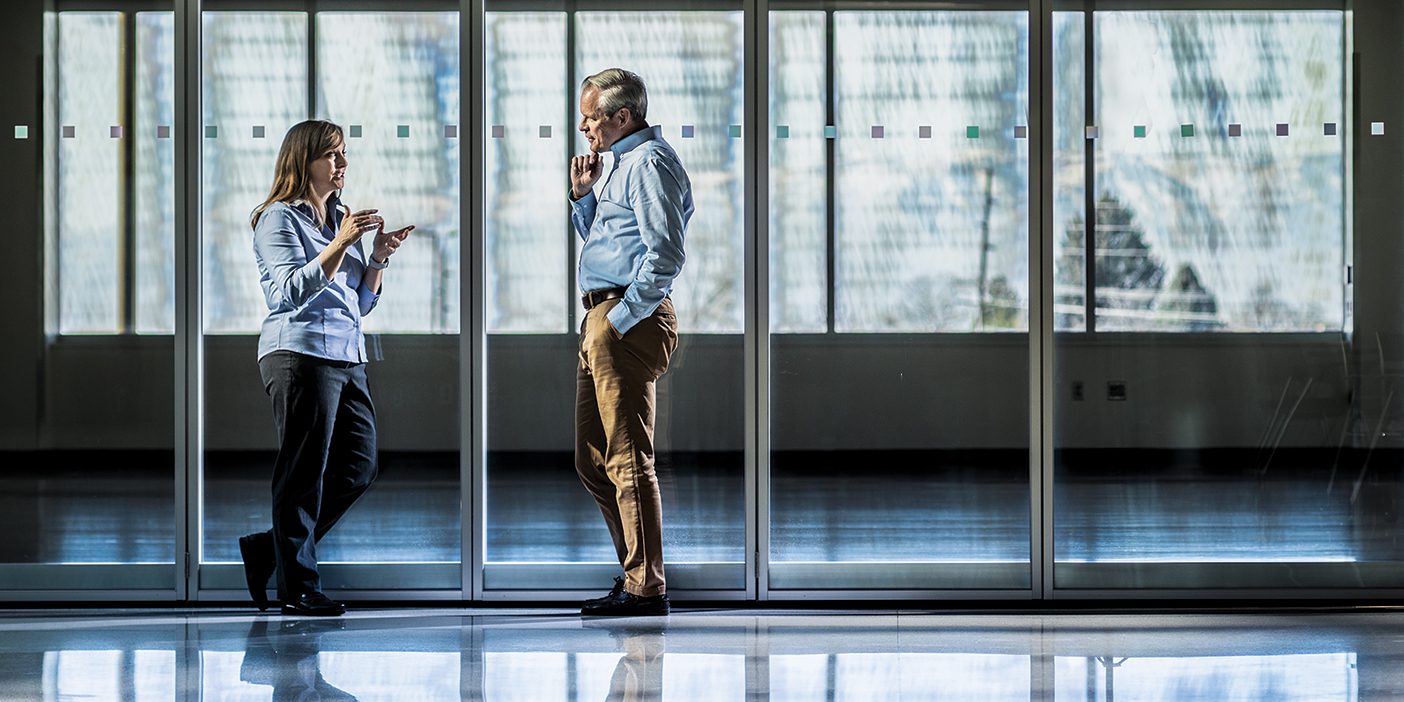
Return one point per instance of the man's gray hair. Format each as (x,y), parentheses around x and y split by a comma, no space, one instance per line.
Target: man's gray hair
(619,89)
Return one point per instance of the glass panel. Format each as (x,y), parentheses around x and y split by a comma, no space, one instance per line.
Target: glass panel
(410,80)
(87,439)
(1195,456)
(528,279)
(393,104)
(537,511)
(88,237)
(155,173)
(928,248)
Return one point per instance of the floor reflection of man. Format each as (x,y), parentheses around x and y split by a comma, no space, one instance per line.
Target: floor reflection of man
(287,657)
(638,676)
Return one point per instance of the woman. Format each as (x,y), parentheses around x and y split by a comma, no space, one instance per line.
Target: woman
(319,283)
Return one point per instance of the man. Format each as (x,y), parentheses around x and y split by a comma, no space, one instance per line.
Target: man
(633,250)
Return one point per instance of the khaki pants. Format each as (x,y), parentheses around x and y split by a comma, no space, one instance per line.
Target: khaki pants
(614,415)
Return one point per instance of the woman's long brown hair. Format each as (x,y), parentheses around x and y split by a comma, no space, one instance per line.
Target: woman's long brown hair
(303,144)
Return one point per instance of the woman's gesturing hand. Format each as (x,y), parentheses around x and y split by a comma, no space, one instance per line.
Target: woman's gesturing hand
(354,226)
(386,243)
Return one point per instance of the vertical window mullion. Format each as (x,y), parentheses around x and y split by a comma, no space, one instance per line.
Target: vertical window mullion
(1089,235)
(572,241)
(126,316)
(830,187)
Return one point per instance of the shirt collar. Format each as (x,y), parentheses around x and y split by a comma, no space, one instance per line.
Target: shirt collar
(333,204)
(627,144)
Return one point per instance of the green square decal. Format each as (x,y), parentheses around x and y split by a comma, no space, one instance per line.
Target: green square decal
(1139,131)
(972,132)
(402,131)
(1187,130)
(735,131)
(830,131)
(782,131)
(211,131)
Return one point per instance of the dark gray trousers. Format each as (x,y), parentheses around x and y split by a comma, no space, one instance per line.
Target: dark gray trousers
(326,457)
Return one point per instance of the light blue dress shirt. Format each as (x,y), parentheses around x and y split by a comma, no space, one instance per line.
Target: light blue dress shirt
(633,229)
(306,312)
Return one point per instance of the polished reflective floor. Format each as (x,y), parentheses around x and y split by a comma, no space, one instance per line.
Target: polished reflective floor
(698,655)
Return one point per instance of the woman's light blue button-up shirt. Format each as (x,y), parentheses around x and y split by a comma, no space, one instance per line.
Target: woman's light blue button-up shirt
(307,313)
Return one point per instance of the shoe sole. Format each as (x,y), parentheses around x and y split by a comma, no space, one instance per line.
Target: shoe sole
(662,612)
(297,613)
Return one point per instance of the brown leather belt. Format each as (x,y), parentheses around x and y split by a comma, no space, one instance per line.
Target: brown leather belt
(595,297)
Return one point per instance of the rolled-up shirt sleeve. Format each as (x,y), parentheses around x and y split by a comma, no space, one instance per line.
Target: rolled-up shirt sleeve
(294,280)
(582,214)
(656,196)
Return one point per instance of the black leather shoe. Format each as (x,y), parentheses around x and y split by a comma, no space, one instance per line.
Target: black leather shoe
(258,567)
(314,604)
(613,593)
(626,604)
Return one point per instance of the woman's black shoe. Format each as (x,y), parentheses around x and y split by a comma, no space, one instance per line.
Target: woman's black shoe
(314,604)
(258,567)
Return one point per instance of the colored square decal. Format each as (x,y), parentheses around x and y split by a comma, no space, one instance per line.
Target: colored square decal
(1093,132)
(972,132)
(1187,130)
(163,131)
(734,131)
(69,131)
(1139,131)
(1329,129)
(830,131)
(499,131)
(211,131)
(543,131)
(355,131)
(402,131)
(688,131)
(1235,130)
(21,131)
(115,132)
(1281,129)
(924,132)
(1021,132)
(258,131)
(450,131)
(782,131)
(1377,129)
(877,131)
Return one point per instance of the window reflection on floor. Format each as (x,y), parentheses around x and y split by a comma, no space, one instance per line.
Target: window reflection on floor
(1290,678)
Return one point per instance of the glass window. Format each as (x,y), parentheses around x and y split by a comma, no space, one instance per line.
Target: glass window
(539,517)
(528,244)
(1219,200)
(931,232)
(254,74)
(410,80)
(154,191)
(692,64)
(884,473)
(87,233)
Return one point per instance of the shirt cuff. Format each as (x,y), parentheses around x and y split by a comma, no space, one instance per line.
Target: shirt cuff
(620,319)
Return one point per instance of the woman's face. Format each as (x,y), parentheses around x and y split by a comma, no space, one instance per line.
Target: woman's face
(328,171)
